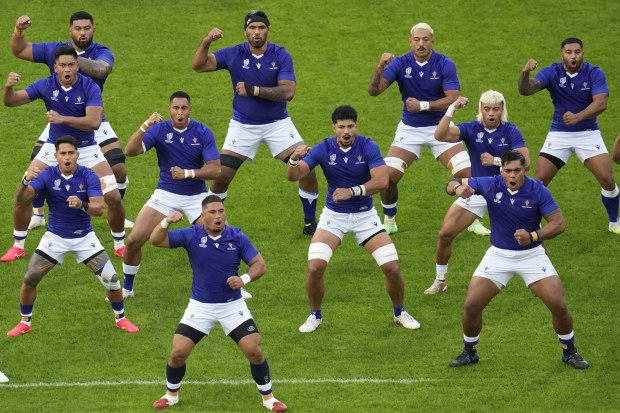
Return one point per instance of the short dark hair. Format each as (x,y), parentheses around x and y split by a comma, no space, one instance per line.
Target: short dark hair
(572,40)
(211,198)
(180,94)
(80,15)
(65,50)
(344,112)
(66,139)
(255,16)
(512,155)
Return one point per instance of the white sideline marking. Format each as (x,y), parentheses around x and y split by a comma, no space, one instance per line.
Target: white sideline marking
(216,382)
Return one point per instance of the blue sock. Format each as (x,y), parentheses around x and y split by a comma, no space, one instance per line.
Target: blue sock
(308,202)
(26,310)
(389,210)
(567,341)
(317,314)
(260,374)
(398,310)
(128,283)
(117,306)
(174,377)
(611,205)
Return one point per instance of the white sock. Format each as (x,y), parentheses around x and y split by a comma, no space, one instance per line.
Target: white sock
(441,271)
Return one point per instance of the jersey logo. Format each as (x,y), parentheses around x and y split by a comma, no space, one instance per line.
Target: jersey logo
(512,201)
(56,185)
(241,313)
(544,269)
(81,188)
(246,64)
(169,137)
(55,95)
(195,140)
(182,139)
(346,160)
(563,82)
(479,137)
(258,65)
(435,77)
(78,232)
(408,73)
(527,204)
(359,160)
(572,85)
(421,73)
(203,242)
(79,100)
(498,198)
(273,66)
(332,159)
(585,86)
(490,140)
(217,245)
(231,247)
(66,98)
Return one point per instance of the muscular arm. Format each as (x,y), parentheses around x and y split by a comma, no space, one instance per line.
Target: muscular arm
(19,46)
(256,269)
(134,145)
(413,104)
(379,180)
(529,86)
(555,225)
(446,133)
(598,105)
(96,205)
(24,193)
(378,83)
(210,170)
(10,97)
(295,173)
(94,68)
(526,154)
(91,121)
(204,61)
(285,91)
(159,236)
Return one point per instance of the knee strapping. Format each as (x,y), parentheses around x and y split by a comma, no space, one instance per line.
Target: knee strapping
(107,276)
(396,163)
(385,254)
(459,162)
(320,251)
(231,161)
(108,183)
(115,156)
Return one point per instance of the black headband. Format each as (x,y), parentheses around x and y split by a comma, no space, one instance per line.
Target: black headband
(259,17)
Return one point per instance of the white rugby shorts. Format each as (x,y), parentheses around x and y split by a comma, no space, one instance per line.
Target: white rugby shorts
(500,265)
(89,155)
(476,204)
(166,203)
(414,139)
(203,316)
(279,136)
(102,134)
(585,144)
(81,248)
(362,225)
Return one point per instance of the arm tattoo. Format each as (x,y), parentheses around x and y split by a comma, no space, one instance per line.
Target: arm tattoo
(275,93)
(375,82)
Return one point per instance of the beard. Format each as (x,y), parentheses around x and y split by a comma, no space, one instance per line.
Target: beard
(83,45)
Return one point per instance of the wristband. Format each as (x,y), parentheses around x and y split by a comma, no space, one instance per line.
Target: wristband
(424,105)
(142,129)
(358,190)
(256,90)
(249,88)
(450,111)
(164,224)
(186,173)
(456,186)
(531,238)
(497,161)
(84,206)
(25,182)
(537,236)
(293,162)
(193,173)
(245,278)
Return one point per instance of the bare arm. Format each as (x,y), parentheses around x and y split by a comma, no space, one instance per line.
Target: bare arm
(256,269)
(294,172)
(210,170)
(526,154)
(134,145)
(378,83)
(284,92)
(459,187)
(379,180)
(94,68)
(598,105)
(413,104)
(159,236)
(19,46)
(555,226)
(96,205)
(10,97)
(204,61)
(529,86)
(444,131)
(91,121)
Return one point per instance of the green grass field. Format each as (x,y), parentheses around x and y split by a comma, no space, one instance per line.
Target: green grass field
(75,360)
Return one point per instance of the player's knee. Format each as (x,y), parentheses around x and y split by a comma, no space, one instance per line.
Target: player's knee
(391,270)
(386,254)
(108,185)
(32,278)
(108,278)
(447,233)
(178,356)
(115,156)
(136,240)
(319,251)
(396,163)
(459,162)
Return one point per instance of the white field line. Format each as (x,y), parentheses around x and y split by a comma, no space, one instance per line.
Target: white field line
(215,382)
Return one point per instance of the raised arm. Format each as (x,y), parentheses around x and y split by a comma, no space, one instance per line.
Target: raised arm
(529,86)
(295,167)
(159,236)
(94,68)
(134,145)
(204,61)
(25,193)
(10,97)
(444,132)
(459,187)
(19,46)
(378,83)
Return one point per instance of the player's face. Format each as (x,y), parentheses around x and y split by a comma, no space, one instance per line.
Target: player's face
(572,55)
(82,32)
(491,114)
(67,157)
(421,42)
(345,132)
(179,110)
(66,67)
(514,174)
(214,217)
(257,34)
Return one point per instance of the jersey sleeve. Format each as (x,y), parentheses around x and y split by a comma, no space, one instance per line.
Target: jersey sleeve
(34,90)
(180,237)
(516,138)
(44,53)
(222,56)
(105,54)
(465,133)
(93,95)
(209,149)
(286,70)
(482,185)
(94,185)
(450,80)
(38,183)
(599,82)
(150,137)
(544,76)
(547,203)
(391,71)
(373,154)
(313,158)
(247,250)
